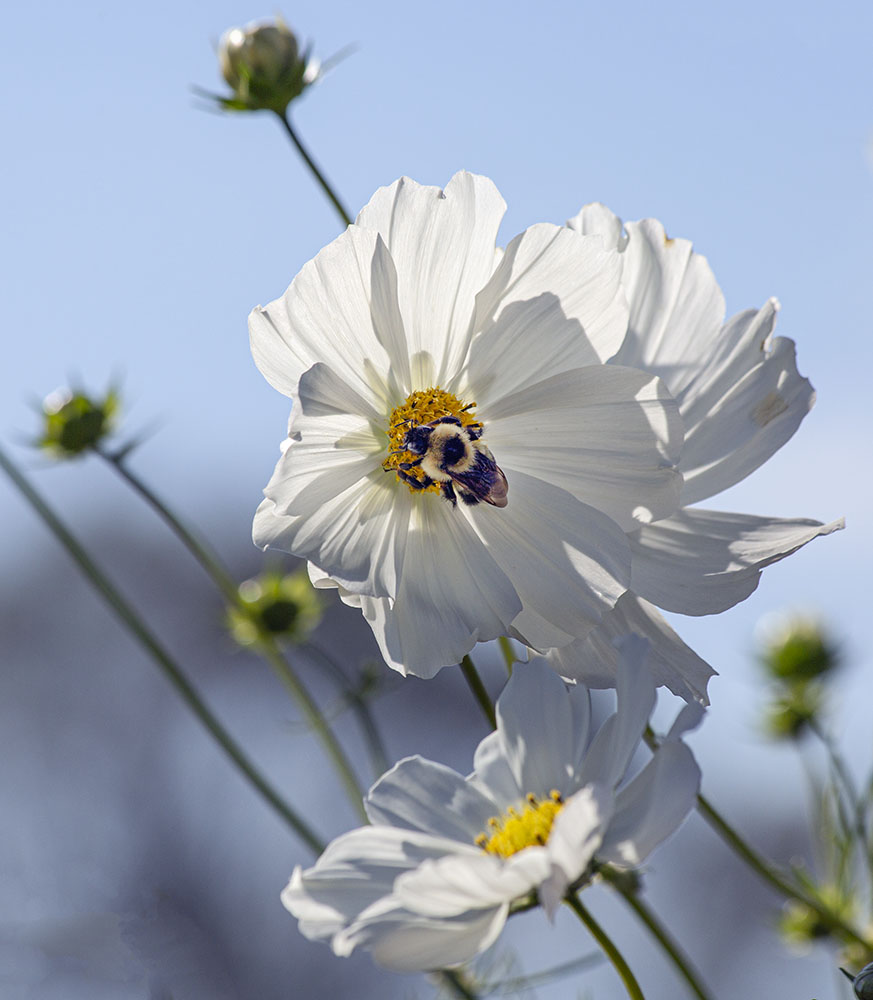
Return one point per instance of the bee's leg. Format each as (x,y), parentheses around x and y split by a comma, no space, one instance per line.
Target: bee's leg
(412,464)
(416,484)
(470,499)
(473,432)
(449,492)
(449,420)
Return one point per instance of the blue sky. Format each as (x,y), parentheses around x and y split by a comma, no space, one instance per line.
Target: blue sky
(141,229)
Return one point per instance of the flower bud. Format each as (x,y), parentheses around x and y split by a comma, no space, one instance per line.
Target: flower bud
(863,983)
(797,648)
(263,66)
(791,711)
(74,422)
(277,605)
(801,926)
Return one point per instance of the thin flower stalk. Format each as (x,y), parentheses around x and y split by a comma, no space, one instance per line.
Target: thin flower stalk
(480,692)
(508,652)
(171,670)
(608,946)
(659,932)
(265,645)
(285,119)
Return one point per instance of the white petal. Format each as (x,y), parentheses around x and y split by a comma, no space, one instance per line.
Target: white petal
(357,536)
(419,794)
(405,942)
(676,306)
(652,806)
(492,774)
(338,310)
(596,219)
(742,405)
(354,872)
(452,593)
(555,302)
(700,562)
(593,661)
(575,837)
(612,749)
(454,884)
(611,436)
(567,560)
(444,245)
(535,724)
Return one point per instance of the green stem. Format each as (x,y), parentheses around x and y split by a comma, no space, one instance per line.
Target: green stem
(458,984)
(763,868)
(508,653)
(480,693)
(774,877)
(319,176)
(266,644)
(169,667)
(609,948)
(659,932)
(358,703)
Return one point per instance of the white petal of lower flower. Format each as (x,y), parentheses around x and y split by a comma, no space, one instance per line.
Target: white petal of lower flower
(492,773)
(651,807)
(454,884)
(700,562)
(576,835)
(536,703)
(418,794)
(446,241)
(610,436)
(593,661)
(610,752)
(555,302)
(405,942)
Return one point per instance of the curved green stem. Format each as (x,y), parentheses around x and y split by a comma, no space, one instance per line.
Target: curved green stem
(480,693)
(171,670)
(659,932)
(319,176)
(763,867)
(266,644)
(609,948)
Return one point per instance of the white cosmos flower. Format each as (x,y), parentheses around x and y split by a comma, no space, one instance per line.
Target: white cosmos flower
(741,398)
(412,314)
(430,884)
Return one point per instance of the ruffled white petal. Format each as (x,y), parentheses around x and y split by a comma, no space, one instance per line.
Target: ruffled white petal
(593,661)
(595,219)
(555,302)
(611,436)
(452,593)
(700,562)
(742,405)
(340,310)
(652,806)
(568,561)
(444,241)
(418,794)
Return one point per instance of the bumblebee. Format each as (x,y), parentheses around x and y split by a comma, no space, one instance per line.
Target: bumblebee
(451,455)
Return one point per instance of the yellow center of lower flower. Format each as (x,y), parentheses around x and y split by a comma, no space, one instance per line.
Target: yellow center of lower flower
(422,407)
(519,828)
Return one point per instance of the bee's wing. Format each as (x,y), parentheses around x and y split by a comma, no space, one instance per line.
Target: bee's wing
(485,480)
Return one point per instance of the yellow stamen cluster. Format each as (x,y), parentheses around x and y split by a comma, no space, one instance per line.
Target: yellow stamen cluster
(518,829)
(422,407)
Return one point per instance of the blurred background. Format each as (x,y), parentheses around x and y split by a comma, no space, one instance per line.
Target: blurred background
(140,228)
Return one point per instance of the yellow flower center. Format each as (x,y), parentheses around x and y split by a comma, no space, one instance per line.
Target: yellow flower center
(422,407)
(516,829)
